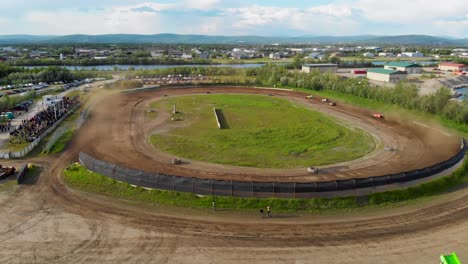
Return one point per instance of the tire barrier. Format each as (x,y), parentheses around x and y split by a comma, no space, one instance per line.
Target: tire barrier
(258,189)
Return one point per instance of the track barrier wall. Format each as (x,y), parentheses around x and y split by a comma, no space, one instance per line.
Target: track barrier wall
(21,176)
(257,189)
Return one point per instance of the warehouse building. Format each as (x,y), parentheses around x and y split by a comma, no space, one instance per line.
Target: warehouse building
(416,54)
(407,67)
(322,67)
(450,66)
(385,75)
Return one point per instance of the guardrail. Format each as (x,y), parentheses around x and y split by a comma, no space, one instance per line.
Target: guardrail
(258,189)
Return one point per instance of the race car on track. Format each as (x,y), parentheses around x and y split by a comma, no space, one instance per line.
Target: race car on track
(377,115)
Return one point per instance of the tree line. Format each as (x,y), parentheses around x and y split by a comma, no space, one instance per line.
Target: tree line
(17,75)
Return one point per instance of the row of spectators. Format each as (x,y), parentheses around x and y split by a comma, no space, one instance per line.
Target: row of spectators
(30,129)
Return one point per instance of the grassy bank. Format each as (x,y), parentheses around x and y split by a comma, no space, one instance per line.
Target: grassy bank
(80,178)
(8,184)
(280,134)
(62,142)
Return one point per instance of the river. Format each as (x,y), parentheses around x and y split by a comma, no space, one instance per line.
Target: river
(151,67)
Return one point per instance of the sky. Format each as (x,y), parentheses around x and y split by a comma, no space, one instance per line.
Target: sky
(236,17)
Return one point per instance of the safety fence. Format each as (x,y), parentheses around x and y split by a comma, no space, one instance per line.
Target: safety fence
(257,189)
(26,150)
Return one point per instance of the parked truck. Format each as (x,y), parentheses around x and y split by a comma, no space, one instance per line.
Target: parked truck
(359,72)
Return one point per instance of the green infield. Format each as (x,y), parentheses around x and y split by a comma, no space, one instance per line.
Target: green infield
(260,131)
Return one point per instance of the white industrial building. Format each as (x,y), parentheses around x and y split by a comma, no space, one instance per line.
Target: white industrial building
(316,56)
(275,56)
(386,54)
(385,75)
(416,54)
(322,67)
(408,67)
(368,55)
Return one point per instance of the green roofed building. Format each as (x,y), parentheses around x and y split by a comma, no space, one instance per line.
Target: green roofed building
(386,75)
(407,67)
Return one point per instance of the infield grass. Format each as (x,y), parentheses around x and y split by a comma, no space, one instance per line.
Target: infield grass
(262,131)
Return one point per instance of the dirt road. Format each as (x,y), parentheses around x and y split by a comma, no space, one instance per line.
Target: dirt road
(45,222)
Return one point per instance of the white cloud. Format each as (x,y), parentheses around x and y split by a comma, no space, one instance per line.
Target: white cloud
(326,19)
(260,15)
(120,20)
(404,11)
(331,10)
(341,17)
(201,4)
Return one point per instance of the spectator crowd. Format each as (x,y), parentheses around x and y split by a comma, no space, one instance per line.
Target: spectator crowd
(30,129)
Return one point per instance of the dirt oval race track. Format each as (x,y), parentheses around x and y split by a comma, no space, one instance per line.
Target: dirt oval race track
(44,221)
(117,132)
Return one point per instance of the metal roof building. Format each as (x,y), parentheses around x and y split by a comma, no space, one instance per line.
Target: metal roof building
(407,67)
(386,75)
(322,67)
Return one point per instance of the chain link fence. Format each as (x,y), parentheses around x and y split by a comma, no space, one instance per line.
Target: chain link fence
(257,189)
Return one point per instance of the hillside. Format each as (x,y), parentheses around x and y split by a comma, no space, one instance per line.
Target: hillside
(204,39)
(414,40)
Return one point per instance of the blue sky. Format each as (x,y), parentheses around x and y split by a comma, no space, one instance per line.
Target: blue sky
(241,17)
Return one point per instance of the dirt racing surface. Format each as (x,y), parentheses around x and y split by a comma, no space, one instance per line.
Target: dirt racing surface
(45,222)
(117,132)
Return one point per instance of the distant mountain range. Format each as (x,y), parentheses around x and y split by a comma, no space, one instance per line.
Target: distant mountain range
(204,39)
